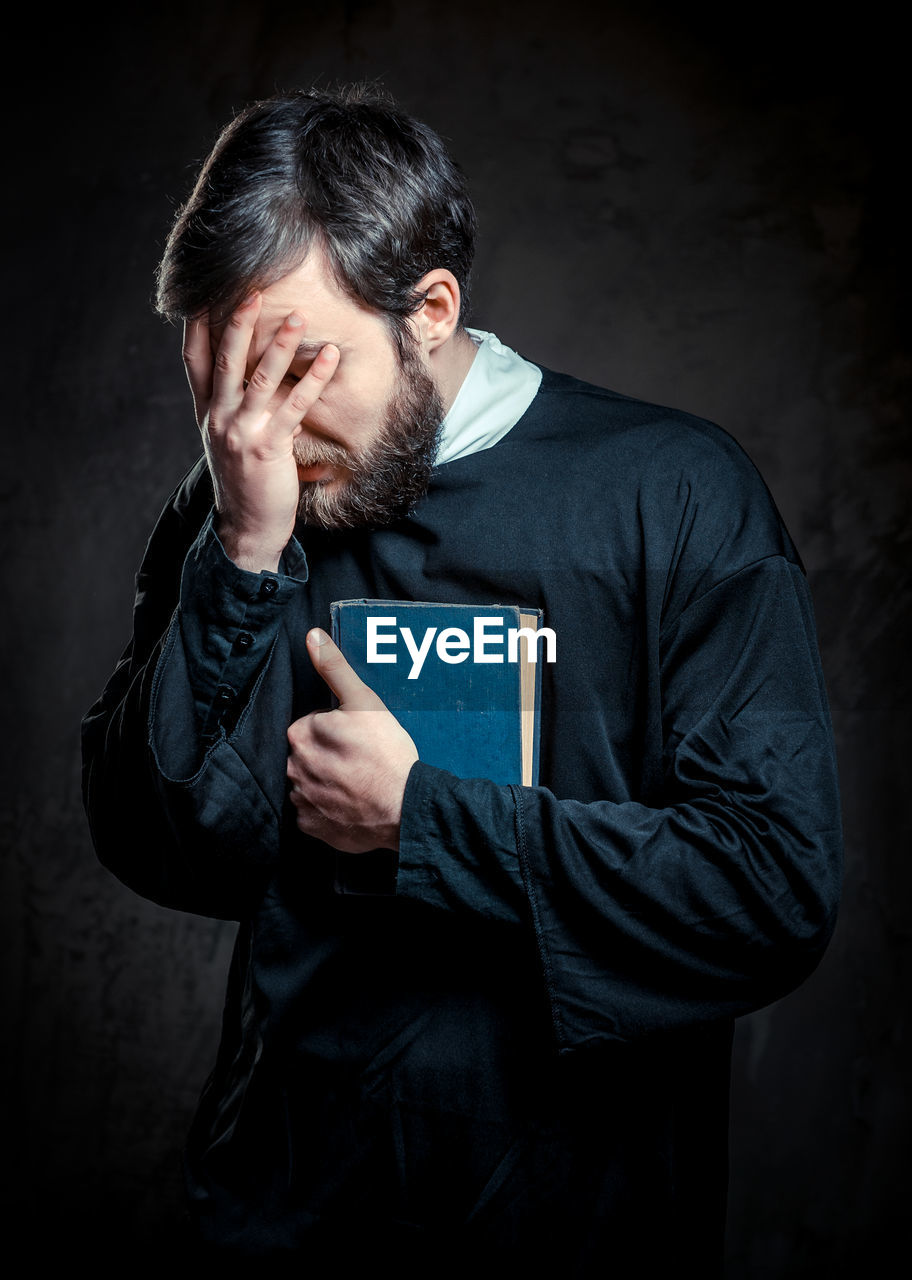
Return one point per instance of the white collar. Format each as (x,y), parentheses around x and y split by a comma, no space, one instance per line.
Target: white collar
(495,393)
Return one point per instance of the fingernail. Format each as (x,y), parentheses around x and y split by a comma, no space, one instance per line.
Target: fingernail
(249,301)
(319,637)
(295,321)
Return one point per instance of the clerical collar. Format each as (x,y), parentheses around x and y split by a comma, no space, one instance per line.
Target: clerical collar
(494,395)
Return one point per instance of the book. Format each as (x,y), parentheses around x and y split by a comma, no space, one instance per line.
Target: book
(464,681)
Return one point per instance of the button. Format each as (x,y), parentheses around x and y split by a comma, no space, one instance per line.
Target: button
(269,587)
(244,640)
(224,693)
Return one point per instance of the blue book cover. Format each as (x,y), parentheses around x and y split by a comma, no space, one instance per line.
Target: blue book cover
(463,680)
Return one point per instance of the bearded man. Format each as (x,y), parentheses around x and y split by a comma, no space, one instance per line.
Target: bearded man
(468,1024)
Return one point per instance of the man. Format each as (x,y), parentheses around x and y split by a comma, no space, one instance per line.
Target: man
(467,1023)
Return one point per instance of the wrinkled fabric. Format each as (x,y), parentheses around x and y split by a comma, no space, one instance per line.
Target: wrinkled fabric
(509,1044)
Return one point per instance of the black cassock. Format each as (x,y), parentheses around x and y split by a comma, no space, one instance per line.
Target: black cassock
(512,1046)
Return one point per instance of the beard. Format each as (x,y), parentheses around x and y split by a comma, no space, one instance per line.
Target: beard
(390,475)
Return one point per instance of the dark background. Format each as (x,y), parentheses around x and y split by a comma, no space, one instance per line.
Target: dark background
(699,205)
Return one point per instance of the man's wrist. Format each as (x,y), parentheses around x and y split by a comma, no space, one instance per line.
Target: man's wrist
(253,553)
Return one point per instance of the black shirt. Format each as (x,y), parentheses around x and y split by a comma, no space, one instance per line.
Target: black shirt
(512,1042)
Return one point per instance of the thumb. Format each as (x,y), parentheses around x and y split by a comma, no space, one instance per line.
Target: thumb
(330,663)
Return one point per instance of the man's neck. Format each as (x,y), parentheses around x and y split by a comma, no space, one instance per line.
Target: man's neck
(450,364)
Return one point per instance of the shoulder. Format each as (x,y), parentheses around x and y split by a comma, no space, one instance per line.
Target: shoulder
(639,433)
(653,446)
(690,489)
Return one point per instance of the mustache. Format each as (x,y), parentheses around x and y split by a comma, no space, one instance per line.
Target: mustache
(322,453)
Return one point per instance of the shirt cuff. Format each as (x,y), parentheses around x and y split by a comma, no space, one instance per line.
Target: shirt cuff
(457,845)
(229,618)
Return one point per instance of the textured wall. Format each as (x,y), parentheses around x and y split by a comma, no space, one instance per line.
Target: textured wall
(698,210)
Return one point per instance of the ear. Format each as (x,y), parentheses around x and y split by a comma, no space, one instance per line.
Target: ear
(438,316)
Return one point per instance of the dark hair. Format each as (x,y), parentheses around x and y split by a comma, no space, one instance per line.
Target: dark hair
(375,188)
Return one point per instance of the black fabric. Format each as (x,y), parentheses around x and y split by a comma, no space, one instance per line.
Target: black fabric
(511,1045)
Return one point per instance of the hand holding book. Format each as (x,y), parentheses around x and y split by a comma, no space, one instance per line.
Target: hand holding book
(464,680)
(348,766)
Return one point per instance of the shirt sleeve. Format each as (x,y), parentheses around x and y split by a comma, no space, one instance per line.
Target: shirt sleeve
(716,895)
(221,636)
(184,752)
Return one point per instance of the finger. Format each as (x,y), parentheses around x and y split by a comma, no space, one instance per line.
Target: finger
(305,393)
(286,348)
(308,817)
(230,369)
(330,663)
(197,355)
(274,364)
(301,745)
(299,799)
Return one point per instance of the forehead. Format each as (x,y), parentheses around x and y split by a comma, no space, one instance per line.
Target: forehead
(330,315)
(310,287)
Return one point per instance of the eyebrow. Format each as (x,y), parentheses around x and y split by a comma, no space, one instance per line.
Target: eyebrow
(311,346)
(306,347)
